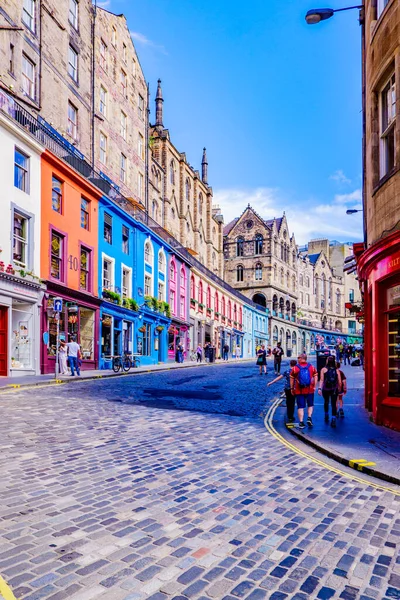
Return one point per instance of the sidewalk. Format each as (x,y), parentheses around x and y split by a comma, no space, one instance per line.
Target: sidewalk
(34,380)
(356,442)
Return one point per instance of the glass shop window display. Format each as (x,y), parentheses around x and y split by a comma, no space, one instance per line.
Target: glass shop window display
(22,335)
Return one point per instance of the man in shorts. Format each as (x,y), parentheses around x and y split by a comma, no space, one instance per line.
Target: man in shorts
(303,381)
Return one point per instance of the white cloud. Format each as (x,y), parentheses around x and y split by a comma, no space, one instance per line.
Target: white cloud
(104,4)
(141,39)
(307,220)
(340,177)
(348,198)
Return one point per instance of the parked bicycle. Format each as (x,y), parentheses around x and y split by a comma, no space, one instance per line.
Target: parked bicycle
(121,363)
(193,356)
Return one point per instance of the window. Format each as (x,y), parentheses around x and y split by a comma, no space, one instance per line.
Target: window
(161,288)
(146,341)
(124,52)
(103,55)
(56,195)
(148,253)
(103,148)
(114,36)
(387,126)
(381,6)
(103,101)
(239,273)
(147,285)
(107,228)
(200,203)
(57,256)
(73,63)
(85,209)
(20,239)
(28,14)
(11,59)
(141,146)
(72,125)
(351,295)
(73,13)
(258,244)
(28,77)
(125,239)
(154,210)
(124,82)
(161,262)
(258,272)
(239,246)
(172,172)
(141,107)
(122,171)
(126,282)
(84,278)
(123,124)
(301,281)
(140,186)
(182,307)
(133,67)
(108,276)
(21,171)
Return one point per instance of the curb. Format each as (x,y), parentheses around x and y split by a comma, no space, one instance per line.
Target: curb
(49,382)
(344,461)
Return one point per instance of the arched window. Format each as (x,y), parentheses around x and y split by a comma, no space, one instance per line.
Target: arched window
(240,315)
(149,274)
(294,258)
(172,271)
(161,262)
(208,299)
(172,286)
(282,277)
(161,276)
(281,307)
(287,280)
(258,244)
(275,272)
(192,288)
(229,309)
(223,306)
(154,210)
(282,251)
(258,272)
(275,304)
(275,247)
(293,283)
(293,310)
(172,172)
(200,203)
(200,298)
(182,294)
(338,301)
(239,273)
(235,313)
(307,282)
(239,246)
(216,303)
(187,190)
(214,260)
(148,252)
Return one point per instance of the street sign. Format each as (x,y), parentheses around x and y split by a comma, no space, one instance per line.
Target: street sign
(57,305)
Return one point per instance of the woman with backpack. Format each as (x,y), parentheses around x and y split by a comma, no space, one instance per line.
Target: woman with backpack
(329,384)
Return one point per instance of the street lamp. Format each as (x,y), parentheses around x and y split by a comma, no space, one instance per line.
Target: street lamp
(351,211)
(316,15)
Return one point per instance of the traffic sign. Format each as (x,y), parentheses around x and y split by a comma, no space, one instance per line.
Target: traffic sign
(57,305)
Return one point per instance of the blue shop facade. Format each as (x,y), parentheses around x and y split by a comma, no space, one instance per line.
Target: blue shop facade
(133,285)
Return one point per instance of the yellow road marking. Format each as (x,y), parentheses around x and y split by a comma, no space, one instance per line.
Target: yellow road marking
(360,462)
(5,590)
(271,429)
(14,385)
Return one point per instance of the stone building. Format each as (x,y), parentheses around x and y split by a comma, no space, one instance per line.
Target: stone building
(378,259)
(261,261)
(76,67)
(185,205)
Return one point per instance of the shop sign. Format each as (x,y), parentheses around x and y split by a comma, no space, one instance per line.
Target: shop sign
(393,296)
(24,292)
(391,264)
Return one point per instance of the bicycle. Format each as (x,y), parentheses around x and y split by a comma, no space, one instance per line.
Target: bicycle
(193,356)
(121,363)
(135,361)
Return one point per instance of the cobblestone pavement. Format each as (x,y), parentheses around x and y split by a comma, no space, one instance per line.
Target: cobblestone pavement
(111,491)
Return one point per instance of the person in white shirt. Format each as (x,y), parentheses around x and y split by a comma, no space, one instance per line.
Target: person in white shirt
(74,351)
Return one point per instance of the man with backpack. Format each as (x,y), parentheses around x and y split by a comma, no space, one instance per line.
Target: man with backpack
(329,385)
(303,381)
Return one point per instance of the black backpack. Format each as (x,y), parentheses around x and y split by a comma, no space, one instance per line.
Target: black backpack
(331,379)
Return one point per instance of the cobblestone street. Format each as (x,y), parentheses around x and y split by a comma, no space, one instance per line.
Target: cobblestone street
(168,486)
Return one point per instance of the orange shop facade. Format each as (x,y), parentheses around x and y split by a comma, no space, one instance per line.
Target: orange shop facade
(379,272)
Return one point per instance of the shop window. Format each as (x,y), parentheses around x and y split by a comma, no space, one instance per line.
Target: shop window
(125,239)
(127,329)
(393,304)
(106,335)
(107,228)
(85,209)
(85,269)
(144,345)
(21,170)
(22,335)
(56,195)
(21,239)
(86,331)
(57,256)
(52,329)
(387,127)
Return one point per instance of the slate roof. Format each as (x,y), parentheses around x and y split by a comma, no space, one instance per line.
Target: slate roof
(313,257)
(228,228)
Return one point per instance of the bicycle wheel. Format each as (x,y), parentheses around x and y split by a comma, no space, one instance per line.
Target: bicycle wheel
(126,364)
(136,362)
(116,365)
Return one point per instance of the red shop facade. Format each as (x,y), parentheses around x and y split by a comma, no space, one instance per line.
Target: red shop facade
(79,317)
(379,273)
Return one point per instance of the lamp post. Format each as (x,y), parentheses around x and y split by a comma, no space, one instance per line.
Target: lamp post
(316,15)
(351,211)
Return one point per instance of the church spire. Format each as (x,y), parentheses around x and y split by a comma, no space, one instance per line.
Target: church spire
(204,168)
(159,106)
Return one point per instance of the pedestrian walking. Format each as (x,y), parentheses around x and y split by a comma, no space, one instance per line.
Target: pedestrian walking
(179,352)
(237,352)
(262,359)
(74,356)
(278,353)
(341,392)
(303,381)
(199,353)
(206,351)
(346,355)
(225,352)
(329,384)
(62,358)
(290,399)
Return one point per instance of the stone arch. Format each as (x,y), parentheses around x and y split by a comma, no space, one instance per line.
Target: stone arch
(260,299)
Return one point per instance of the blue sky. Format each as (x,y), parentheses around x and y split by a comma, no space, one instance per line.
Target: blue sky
(276,102)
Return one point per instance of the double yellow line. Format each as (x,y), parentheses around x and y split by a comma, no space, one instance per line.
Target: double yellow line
(268,422)
(5,590)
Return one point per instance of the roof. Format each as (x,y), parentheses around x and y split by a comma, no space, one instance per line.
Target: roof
(270,222)
(313,257)
(228,228)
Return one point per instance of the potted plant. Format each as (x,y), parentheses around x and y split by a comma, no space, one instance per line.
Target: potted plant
(10,270)
(142,329)
(201,305)
(160,328)
(148,301)
(2,266)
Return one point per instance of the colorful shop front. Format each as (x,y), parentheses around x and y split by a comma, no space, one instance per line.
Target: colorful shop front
(178,300)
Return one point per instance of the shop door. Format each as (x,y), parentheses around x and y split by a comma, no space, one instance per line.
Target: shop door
(3,340)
